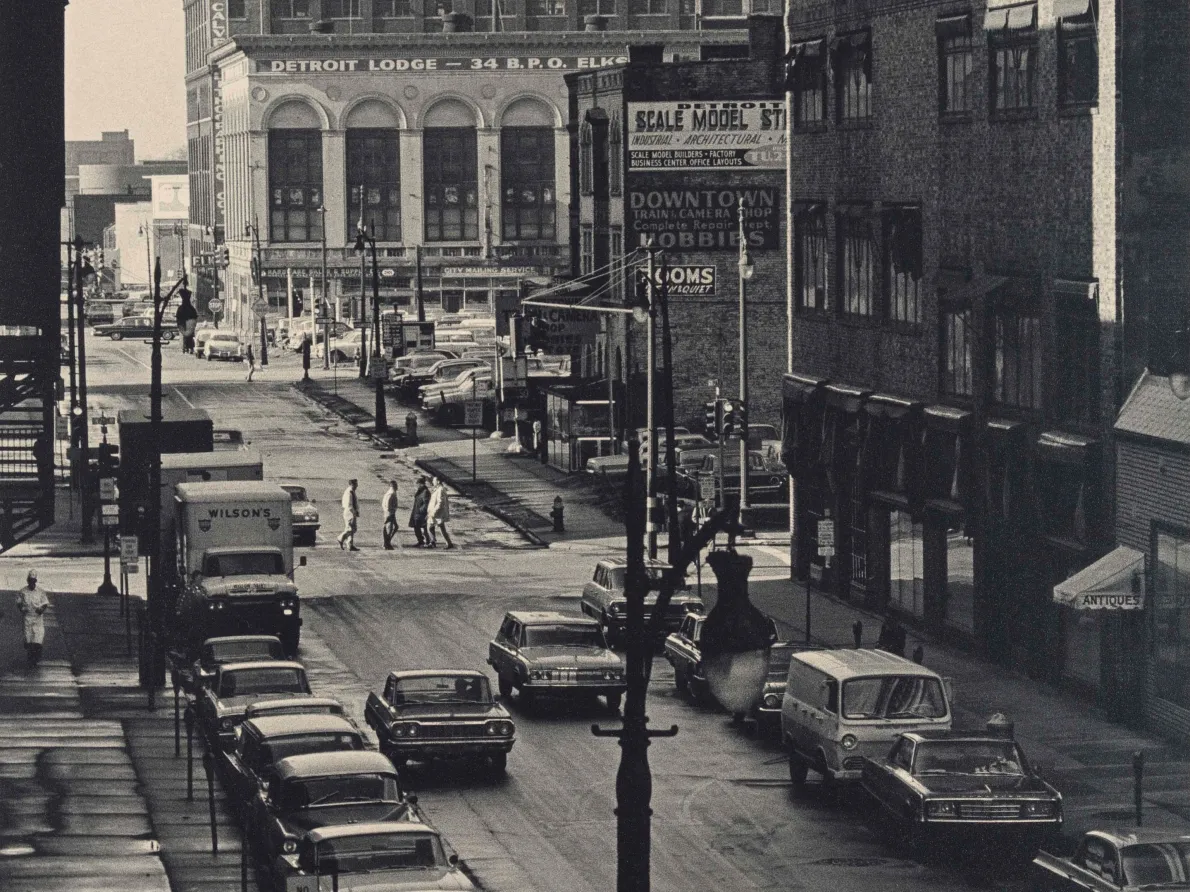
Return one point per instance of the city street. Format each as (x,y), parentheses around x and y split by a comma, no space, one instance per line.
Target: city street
(723,810)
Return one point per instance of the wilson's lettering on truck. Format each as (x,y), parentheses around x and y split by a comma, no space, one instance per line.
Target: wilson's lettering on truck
(232,513)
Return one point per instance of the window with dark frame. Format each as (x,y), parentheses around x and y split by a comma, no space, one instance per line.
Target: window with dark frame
(811,257)
(374,183)
(1076,359)
(615,156)
(1170,581)
(340,9)
(648,7)
(295,185)
(1078,61)
(545,7)
(596,7)
(1012,60)
(852,63)
(714,8)
(1016,379)
(451,184)
(956,63)
(857,261)
(903,264)
(957,353)
(807,82)
(586,159)
(391,9)
(237,9)
(527,186)
(291,9)
(586,249)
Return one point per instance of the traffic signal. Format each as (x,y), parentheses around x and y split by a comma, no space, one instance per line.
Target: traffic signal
(109,459)
(713,419)
(741,420)
(536,338)
(298,306)
(728,425)
(224,257)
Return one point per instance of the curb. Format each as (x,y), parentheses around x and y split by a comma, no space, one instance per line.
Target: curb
(501,515)
(315,393)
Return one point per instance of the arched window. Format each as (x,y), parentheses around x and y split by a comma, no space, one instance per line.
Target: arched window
(586,161)
(450,173)
(373,171)
(615,149)
(295,174)
(527,181)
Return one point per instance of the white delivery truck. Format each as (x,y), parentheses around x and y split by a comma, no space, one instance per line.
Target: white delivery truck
(234,547)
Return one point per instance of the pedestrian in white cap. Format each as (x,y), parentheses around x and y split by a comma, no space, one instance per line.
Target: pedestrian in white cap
(32,603)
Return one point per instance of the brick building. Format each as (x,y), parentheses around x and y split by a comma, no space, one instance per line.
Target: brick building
(954,353)
(668,152)
(441,126)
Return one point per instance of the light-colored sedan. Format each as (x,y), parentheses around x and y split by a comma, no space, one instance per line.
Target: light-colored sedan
(343,348)
(224,345)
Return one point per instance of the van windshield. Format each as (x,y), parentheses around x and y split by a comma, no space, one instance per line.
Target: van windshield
(893,697)
(251,563)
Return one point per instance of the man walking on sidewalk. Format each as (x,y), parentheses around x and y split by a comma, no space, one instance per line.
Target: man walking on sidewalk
(32,604)
(306,356)
(250,358)
(439,513)
(388,505)
(417,516)
(350,515)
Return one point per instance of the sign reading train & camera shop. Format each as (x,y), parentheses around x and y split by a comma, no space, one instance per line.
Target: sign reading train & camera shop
(680,217)
(721,135)
(567,331)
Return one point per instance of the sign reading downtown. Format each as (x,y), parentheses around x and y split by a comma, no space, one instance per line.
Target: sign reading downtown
(725,135)
(680,217)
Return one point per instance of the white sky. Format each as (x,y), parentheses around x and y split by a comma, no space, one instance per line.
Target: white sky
(125,65)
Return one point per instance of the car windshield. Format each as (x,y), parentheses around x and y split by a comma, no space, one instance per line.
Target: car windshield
(893,697)
(294,707)
(231,651)
(296,493)
(443,689)
(563,636)
(274,751)
(389,851)
(273,680)
(315,791)
(262,562)
(1156,864)
(968,757)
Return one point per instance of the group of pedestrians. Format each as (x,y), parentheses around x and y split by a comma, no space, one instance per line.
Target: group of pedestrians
(428,516)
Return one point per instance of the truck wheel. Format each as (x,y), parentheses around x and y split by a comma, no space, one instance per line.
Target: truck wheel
(613,701)
(289,640)
(499,763)
(504,684)
(797,771)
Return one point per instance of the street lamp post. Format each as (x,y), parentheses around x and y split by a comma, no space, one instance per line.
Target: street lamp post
(82,269)
(363,241)
(746,271)
(650,405)
(253,230)
(325,308)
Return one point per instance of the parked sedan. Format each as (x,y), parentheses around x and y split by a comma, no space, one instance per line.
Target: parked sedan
(305,515)
(133,327)
(933,782)
(221,705)
(1117,861)
(344,348)
(224,345)
(216,652)
(768,484)
(603,598)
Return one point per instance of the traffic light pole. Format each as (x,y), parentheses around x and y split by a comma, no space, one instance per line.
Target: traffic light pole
(107,587)
(85,499)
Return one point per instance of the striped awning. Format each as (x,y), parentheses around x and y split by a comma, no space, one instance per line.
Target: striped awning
(1114,582)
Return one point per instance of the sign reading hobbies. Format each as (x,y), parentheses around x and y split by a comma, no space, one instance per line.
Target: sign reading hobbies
(724,135)
(475,64)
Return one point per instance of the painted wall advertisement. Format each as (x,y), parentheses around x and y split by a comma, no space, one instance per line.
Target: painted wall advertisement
(682,281)
(726,135)
(677,216)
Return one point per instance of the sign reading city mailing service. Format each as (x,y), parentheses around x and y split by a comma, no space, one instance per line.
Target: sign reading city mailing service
(722,135)
(473,64)
(682,281)
(679,216)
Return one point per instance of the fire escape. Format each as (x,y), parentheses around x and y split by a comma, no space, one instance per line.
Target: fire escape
(27,389)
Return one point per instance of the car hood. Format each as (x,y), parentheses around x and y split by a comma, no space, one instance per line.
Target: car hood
(439,711)
(304,508)
(607,461)
(983,784)
(238,705)
(413,879)
(562,657)
(344,813)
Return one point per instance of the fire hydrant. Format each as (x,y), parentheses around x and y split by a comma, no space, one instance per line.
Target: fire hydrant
(556,514)
(411,428)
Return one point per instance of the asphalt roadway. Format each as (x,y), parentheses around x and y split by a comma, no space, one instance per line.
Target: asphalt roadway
(724,814)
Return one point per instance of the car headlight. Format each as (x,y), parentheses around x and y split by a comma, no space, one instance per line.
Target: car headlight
(694,607)
(289,846)
(848,742)
(499,729)
(227,724)
(1039,809)
(772,701)
(613,674)
(941,809)
(615,609)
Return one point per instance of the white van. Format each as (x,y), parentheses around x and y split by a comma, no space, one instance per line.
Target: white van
(842,705)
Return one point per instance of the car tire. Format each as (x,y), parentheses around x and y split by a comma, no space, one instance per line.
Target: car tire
(499,763)
(613,701)
(798,769)
(504,685)
(209,357)
(116,336)
(290,638)
(528,698)
(681,683)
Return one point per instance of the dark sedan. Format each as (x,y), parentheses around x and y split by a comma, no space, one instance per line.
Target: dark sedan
(133,327)
(937,782)
(305,515)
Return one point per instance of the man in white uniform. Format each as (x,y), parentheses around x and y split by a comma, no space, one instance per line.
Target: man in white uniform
(32,604)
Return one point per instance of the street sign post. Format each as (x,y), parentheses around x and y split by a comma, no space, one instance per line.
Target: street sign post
(107,489)
(215,304)
(260,306)
(826,549)
(473,418)
(129,553)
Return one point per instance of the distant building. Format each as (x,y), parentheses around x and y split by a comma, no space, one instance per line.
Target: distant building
(112,148)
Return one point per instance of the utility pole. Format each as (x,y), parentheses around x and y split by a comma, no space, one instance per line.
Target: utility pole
(650,405)
(85,500)
(746,271)
(421,299)
(325,308)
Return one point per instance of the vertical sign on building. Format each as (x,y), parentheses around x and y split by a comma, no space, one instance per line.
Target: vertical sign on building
(217,144)
(218,22)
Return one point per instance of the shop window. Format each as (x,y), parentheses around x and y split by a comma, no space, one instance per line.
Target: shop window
(586,250)
(957,351)
(237,9)
(1076,360)
(340,9)
(451,184)
(527,183)
(807,81)
(857,261)
(810,238)
(853,77)
(903,264)
(1012,61)
(1171,616)
(295,185)
(374,183)
(1017,380)
(596,7)
(391,9)
(545,7)
(291,9)
(1078,61)
(1063,501)
(956,62)
(958,602)
(906,563)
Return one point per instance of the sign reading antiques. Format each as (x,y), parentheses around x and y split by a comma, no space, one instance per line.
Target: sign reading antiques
(680,217)
(682,281)
(480,64)
(566,331)
(721,135)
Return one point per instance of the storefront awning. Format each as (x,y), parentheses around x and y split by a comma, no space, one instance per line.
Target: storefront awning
(1114,582)
(1068,9)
